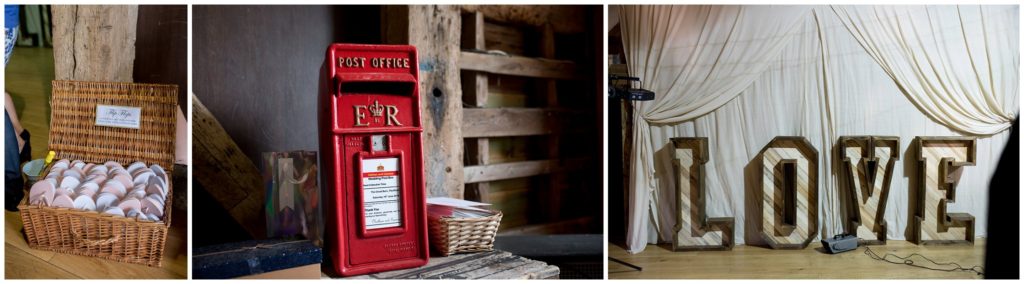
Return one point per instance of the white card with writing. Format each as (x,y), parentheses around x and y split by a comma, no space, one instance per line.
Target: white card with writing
(381,193)
(118,116)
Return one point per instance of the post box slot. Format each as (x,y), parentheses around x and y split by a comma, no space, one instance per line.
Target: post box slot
(377,88)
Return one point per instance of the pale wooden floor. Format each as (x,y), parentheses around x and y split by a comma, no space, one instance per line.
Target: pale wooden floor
(22,262)
(751,262)
(27,79)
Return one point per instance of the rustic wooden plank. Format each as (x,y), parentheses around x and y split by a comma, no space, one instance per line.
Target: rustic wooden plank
(530,270)
(94,42)
(564,18)
(436,33)
(475,93)
(227,174)
(518,65)
(498,122)
(520,169)
(482,265)
(508,268)
(474,84)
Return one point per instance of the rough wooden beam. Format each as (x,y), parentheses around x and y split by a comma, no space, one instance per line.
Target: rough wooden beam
(501,122)
(512,170)
(94,42)
(474,93)
(436,33)
(518,65)
(565,19)
(226,173)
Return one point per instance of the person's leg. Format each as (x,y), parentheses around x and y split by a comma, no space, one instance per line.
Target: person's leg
(15,139)
(13,182)
(10,35)
(15,122)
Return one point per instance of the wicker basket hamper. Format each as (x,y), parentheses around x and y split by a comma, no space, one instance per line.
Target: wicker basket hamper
(456,235)
(74,136)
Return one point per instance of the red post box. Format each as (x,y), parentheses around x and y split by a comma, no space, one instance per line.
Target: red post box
(371,153)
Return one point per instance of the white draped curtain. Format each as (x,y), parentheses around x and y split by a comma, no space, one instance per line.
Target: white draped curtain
(742,75)
(951,61)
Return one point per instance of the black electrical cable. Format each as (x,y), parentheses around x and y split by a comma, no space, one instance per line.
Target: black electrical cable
(980,270)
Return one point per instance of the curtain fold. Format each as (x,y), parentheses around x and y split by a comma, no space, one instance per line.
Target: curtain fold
(951,61)
(820,83)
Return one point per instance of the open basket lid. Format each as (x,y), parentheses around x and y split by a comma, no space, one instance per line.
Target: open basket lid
(75,135)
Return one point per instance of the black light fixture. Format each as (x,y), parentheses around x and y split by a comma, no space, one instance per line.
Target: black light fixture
(629,94)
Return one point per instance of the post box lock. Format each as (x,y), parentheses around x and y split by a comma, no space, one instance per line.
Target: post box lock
(379,143)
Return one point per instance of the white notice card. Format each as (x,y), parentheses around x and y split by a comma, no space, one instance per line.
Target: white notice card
(381,190)
(118,116)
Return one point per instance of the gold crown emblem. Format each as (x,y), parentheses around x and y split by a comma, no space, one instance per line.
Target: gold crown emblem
(376,109)
(380,167)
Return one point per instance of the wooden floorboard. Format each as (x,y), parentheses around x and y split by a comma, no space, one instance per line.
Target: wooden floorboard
(22,262)
(752,262)
(19,264)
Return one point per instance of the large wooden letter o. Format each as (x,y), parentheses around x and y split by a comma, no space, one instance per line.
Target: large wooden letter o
(694,230)
(789,192)
(941,161)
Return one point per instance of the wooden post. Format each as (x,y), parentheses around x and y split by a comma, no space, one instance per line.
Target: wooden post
(94,42)
(435,31)
(474,92)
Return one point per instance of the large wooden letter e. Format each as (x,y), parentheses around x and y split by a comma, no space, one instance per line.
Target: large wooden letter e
(940,163)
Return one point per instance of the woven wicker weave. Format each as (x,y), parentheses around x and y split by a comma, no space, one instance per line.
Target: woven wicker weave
(74,136)
(455,235)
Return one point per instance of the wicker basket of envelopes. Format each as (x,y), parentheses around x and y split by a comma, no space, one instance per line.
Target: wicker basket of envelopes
(455,230)
(104,193)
